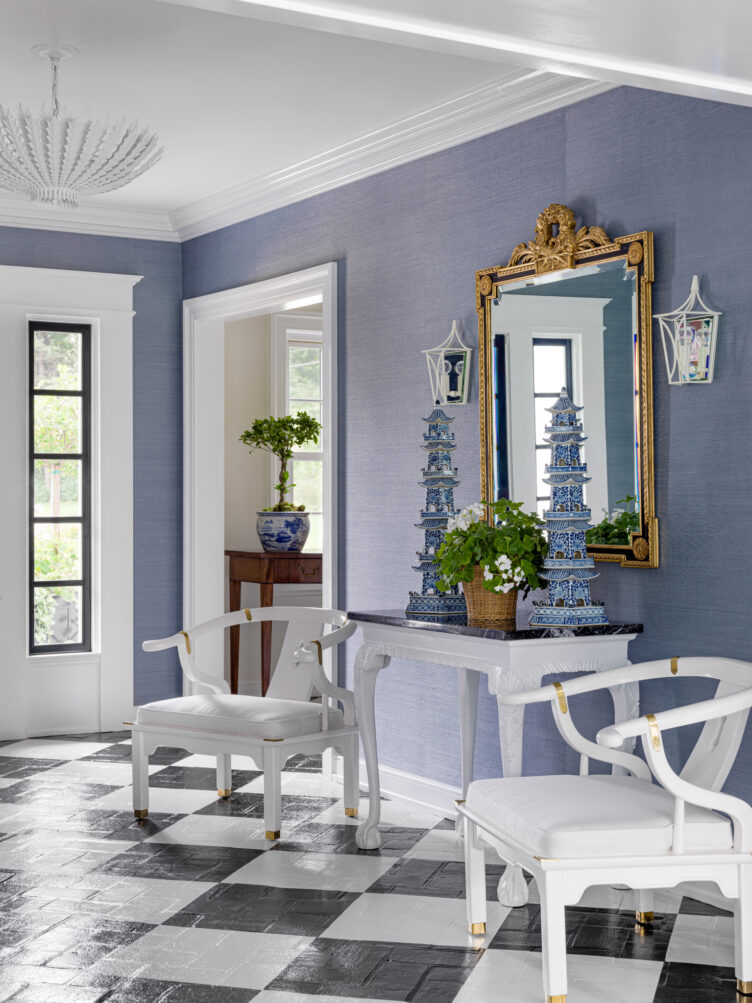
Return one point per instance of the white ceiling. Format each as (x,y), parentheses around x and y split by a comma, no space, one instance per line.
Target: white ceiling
(262,103)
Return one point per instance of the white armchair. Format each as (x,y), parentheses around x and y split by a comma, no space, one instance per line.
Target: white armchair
(267,729)
(572,832)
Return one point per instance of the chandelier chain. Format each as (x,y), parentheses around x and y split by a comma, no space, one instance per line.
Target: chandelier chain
(54,60)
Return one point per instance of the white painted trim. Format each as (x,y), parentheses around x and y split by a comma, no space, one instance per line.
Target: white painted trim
(430,794)
(68,692)
(204,319)
(580,320)
(92,218)
(516,96)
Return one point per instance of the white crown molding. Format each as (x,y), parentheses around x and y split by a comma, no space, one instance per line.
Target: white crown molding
(514,98)
(517,96)
(104,221)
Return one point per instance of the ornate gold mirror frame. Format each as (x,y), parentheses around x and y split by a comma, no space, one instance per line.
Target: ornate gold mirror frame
(558,246)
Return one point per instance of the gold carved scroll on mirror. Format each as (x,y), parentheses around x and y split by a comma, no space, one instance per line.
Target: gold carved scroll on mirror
(572,309)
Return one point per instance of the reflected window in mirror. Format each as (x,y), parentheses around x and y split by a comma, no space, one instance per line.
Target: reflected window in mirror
(572,309)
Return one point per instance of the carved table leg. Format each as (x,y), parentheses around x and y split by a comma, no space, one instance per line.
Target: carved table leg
(368,664)
(512,885)
(467,687)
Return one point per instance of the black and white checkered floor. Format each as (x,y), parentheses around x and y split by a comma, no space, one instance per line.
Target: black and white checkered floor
(195,906)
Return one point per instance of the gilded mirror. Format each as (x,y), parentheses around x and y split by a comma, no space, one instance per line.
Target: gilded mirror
(572,308)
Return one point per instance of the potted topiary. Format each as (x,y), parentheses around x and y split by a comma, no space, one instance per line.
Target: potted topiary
(283,526)
(493,560)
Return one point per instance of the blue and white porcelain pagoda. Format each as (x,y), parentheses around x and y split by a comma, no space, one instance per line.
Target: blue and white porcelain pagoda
(439,480)
(567,568)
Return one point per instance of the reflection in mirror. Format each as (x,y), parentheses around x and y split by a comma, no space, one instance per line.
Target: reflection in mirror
(574,329)
(572,308)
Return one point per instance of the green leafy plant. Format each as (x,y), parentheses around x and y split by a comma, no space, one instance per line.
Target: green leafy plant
(279,436)
(617,527)
(510,548)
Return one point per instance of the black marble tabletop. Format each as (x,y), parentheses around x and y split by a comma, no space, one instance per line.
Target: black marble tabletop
(459,625)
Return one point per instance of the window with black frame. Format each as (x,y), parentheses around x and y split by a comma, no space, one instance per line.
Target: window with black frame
(59,487)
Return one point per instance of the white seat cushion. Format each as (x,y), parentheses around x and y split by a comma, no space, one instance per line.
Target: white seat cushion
(596,816)
(245,717)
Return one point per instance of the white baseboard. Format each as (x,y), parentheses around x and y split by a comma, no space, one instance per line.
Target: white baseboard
(431,794)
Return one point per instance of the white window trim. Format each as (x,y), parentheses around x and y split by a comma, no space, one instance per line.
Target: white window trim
(68,692)
(524,319)
(287,329)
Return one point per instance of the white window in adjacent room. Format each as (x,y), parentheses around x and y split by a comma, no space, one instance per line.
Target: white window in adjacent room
(297,359)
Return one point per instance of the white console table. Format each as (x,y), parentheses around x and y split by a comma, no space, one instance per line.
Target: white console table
(513,661)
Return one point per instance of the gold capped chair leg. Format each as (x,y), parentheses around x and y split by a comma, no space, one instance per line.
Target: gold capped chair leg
(272,835)
(645,918)
(556,999)
(224,793)
(351,812)
(140,812)
(744,988)
(478,929)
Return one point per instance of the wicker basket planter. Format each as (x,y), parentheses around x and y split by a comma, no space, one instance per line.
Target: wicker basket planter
(493,609)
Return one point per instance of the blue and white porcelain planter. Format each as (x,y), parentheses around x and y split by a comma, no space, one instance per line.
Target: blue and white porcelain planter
(285,531)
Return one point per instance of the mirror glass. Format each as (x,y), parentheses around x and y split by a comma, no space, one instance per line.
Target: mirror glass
(575,328)
(572,308)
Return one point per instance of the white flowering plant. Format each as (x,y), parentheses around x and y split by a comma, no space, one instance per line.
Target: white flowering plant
(510,547)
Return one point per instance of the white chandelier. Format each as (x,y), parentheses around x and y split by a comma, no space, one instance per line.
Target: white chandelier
(56,159)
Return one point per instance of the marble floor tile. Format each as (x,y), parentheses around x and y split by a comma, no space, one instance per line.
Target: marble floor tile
(411,919)
(304,912)
(284,869)
(52,748)
(277,996)
(161,799)
(178,862)
(209,957)
(142,900)
(304,784)
(400,813)
(213,830)
(700,940)
(590,980)
(94,772)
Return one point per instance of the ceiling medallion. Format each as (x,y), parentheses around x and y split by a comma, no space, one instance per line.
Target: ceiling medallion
(56,158)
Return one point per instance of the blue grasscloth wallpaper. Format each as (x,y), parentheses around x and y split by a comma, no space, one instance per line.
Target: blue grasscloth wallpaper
(408,243)
(157,422)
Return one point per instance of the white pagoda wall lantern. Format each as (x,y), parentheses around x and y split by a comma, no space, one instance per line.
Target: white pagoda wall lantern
(689,336)
(449,369)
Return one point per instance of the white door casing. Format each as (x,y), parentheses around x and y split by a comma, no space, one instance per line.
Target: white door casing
(204,319)
(76,692)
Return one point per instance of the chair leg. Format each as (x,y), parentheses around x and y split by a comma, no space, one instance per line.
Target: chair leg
(272,791)
(351,775)
(743,932)
(224,775)
(645,912)
(140,766)
(475,880)
(553,928)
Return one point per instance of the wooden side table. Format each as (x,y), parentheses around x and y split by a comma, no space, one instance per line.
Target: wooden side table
(266,568)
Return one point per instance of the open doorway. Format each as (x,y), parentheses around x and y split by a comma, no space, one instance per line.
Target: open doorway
(273,367)
(206,522)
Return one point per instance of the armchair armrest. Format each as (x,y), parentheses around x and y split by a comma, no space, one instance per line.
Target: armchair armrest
(311,654)
(694,713)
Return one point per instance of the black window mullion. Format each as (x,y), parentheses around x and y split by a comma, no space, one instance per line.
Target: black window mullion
(84,520)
